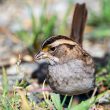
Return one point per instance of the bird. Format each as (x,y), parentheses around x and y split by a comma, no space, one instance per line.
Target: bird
(71,69)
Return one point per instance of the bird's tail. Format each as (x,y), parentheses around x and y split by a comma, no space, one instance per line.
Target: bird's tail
(78,23)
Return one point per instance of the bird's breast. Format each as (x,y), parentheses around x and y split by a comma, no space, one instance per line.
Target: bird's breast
(73,77)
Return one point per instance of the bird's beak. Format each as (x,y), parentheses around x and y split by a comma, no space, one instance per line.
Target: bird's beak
(41,55)
(46,57)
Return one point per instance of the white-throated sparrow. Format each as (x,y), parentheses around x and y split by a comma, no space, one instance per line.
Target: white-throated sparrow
(71,68)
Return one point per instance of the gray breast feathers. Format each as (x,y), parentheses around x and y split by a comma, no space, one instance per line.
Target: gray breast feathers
(73,77)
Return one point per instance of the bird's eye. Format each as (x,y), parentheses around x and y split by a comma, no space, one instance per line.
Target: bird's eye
(52,48)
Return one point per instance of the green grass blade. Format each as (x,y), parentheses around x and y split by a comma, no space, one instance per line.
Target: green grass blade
(4,82)
(70,103)
(56,100)
(64,100)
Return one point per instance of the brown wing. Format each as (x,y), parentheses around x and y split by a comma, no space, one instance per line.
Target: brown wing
(78,23)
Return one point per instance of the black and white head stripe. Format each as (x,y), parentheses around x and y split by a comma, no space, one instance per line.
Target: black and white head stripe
(57,40)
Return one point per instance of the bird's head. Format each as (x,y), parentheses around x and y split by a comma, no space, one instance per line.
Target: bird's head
(58,49)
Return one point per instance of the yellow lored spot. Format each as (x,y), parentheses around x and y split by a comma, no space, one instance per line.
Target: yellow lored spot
(45,49)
